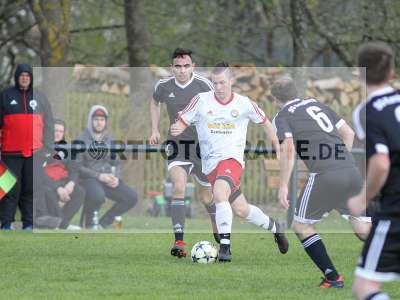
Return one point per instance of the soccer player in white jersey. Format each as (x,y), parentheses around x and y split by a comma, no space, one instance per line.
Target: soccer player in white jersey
(221,118)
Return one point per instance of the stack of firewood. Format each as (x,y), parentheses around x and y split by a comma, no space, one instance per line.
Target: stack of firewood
(254,82)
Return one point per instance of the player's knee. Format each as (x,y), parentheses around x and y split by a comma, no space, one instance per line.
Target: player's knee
(206,196)
(220,196)
(179,188)
(362,236)
(206,200)
(356,288)
(241,211)
(302,230)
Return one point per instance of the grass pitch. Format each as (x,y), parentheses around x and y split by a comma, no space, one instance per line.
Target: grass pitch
(139,266)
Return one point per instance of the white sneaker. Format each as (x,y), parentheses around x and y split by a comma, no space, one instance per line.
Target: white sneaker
(74,227)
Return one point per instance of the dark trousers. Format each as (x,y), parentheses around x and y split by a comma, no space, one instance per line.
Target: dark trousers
(70,208)
(96,192)
(22,193)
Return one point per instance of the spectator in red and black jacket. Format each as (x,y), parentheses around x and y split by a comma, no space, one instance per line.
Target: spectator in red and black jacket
(61,180)
(26,123)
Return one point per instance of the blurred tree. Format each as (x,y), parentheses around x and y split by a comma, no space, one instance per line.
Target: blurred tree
(53,17)
(136,33)
(17,39)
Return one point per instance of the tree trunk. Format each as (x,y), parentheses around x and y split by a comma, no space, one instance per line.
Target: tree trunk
(297,33)
(136,33)
(299,72)
(140,84)
(53,17)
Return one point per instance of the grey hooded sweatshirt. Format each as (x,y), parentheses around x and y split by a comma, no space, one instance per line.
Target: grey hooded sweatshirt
(97,158)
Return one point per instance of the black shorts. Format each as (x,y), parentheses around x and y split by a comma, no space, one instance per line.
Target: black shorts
(187,156)
(324,192)
(380,258)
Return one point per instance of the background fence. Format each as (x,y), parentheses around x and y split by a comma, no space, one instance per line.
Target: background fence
(148,173)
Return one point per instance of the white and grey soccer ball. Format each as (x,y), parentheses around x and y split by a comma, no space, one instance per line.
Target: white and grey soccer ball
(204,252)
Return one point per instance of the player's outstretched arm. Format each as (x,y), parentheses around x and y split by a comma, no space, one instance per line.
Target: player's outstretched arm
(378,171)
(177,128)
(347,135)
(286,164)
(271,134)
(155,122)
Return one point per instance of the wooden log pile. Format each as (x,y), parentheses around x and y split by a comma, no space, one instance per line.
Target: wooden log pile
(250,80)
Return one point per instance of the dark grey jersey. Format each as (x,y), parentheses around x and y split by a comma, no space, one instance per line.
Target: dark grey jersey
(314,129)
(377,122)
(177,97)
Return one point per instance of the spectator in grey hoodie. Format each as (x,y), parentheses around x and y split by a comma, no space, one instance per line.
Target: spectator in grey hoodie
(99,170)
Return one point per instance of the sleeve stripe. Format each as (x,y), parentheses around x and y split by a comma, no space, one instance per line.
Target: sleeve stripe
(182,120)
(162,81)
(274,125)
(381,148)
(340,123)
(357,122)
(191,105)
(263,117)
(205,80)
(288,135)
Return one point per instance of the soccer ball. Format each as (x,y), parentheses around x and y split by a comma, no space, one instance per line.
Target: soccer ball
(204,252)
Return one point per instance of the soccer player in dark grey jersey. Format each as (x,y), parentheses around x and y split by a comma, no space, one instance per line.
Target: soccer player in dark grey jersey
(377,122)
(323,141)
(183,154)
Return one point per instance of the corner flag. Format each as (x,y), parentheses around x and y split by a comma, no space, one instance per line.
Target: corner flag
(7,180)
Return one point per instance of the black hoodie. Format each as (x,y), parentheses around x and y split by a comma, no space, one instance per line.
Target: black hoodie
(26,119)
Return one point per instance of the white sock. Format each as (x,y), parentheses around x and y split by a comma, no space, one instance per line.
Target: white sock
(258,218)
(223,218)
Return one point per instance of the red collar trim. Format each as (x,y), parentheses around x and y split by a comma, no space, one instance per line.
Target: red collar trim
(226,103)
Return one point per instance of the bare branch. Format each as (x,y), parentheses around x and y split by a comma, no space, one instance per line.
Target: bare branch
(15,35)
(97,28)
(336,47)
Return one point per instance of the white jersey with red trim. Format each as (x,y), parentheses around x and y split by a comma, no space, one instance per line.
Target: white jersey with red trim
(221,127)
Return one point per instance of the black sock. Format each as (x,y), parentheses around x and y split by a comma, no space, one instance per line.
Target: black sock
(178,214)
(225,238)
(211,211)
(316,250)
(378,296)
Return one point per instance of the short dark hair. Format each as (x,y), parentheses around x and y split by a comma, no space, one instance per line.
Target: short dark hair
(220,67)
(181,52)
(378,60)
(284,89)
(59,122)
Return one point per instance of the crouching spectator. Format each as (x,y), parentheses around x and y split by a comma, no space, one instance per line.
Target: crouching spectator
(99,170)
(64,196)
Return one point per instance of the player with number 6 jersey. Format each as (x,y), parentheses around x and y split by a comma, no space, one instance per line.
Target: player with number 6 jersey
(323,141)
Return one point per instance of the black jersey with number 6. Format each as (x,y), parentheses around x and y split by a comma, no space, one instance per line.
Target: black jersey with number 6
(314,129)
(378,122)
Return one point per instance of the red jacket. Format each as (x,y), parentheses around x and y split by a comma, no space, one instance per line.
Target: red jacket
(26,119)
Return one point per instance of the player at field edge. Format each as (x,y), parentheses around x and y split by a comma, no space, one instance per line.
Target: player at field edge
(323,141)
(377,121)
(183,159)
(221,118)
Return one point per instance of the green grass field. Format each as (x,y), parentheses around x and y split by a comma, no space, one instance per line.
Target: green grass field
(139,266)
